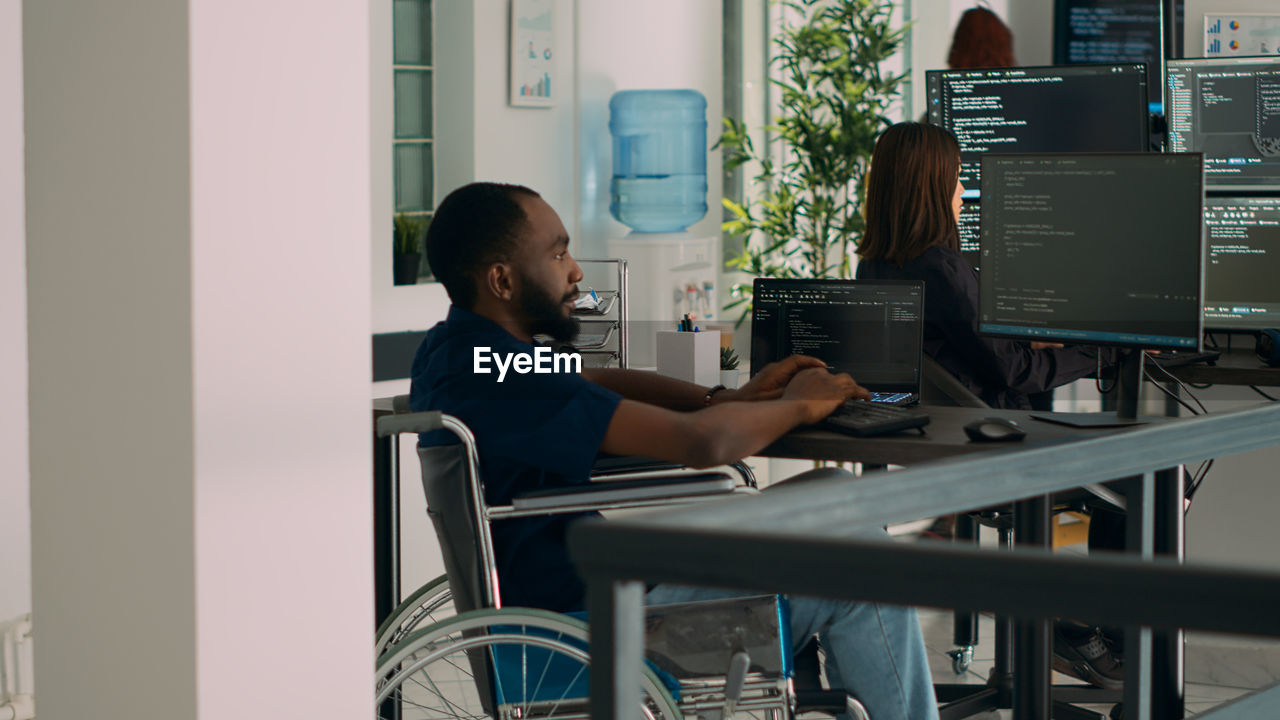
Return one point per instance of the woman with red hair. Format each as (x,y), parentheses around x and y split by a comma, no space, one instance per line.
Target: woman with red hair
(981,40)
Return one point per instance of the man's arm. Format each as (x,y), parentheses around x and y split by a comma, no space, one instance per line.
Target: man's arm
(673,394)
(725,433)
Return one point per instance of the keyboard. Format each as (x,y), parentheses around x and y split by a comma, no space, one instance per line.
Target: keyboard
(1175,359)
(894,398)
(865,419)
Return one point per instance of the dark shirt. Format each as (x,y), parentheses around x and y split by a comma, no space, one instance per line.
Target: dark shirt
(1001,372)
(533,431)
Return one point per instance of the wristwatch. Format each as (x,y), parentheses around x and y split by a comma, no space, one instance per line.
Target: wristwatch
(706,399)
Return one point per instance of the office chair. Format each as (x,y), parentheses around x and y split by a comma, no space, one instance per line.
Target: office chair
(940,387)
(501,662)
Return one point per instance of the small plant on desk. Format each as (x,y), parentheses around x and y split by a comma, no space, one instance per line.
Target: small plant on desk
(728,359)
(728,367)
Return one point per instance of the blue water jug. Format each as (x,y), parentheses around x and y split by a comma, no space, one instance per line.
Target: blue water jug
(659,159)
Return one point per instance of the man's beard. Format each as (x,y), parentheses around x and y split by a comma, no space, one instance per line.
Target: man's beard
(545,313)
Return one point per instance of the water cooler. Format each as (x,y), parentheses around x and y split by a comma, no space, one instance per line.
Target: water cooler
(659,188)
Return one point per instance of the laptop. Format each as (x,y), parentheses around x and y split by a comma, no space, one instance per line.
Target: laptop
(871,329)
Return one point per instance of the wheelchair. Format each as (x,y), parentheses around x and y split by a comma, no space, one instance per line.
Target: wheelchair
(710,659)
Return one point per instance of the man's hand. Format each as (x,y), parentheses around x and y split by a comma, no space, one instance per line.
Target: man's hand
(770,381)
(821,392)
(1037,345)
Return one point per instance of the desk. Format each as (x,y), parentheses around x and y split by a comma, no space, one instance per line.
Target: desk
(751,544)
(1237,367)
(945,438)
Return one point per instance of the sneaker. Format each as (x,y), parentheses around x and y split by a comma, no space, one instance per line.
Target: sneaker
(1086,656)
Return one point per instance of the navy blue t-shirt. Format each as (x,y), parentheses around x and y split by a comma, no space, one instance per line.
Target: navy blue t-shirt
(533,431)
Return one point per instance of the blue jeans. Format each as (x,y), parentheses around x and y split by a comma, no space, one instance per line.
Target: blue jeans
(876,652)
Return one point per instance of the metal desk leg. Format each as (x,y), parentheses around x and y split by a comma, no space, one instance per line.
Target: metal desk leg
(616,610)
(1139,526)
(386,527)
(1031,692)
(1169,538)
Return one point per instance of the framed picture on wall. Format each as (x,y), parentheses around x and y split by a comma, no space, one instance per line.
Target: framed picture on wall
(533,53)
(1241,34)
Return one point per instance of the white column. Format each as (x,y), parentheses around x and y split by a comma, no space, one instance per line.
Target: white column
(15,513)
(198,197)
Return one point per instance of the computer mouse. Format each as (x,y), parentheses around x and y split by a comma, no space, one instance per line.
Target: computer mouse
(990,429)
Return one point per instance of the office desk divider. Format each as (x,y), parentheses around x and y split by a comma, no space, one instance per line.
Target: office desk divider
(753,544)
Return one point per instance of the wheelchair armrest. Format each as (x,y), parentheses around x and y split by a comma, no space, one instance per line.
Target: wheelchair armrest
(418,422)
(623,491)
(625,464)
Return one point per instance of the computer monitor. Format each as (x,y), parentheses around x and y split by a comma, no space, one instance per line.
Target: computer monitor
(1072,108)
(1117,31)
(1229,110)
(871,329)
(970,233)
(1100,249)
(1092,248)
(1242,263)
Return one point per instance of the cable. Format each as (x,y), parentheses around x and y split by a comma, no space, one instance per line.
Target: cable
(1168,392)
(1181,384)
(1195,484)
(1097,377)
(1258,390)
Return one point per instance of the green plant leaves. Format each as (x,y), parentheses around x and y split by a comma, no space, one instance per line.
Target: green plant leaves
(805,219)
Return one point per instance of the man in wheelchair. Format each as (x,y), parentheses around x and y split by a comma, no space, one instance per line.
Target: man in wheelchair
(502,254)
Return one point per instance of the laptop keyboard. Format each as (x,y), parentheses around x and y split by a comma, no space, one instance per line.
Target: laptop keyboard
(892,398)
(865,419)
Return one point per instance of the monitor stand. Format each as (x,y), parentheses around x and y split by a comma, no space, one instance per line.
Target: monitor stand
(1128,390)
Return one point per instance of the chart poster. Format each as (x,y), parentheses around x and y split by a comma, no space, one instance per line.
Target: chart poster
(533,69)
(1241,34)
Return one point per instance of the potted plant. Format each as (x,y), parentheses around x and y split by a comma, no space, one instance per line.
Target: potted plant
(728,367)
(805,220)
(407,254)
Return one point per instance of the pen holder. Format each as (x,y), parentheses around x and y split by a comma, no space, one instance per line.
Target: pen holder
(691,356)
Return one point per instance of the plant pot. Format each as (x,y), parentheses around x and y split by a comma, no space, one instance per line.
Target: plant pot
(729,379)
(405,268)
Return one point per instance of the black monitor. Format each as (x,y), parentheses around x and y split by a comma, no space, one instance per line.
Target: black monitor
(970,235)
(1229,110)
(1074,108)
(1242,263)
(1094,249)
(871,329)
(1116,31)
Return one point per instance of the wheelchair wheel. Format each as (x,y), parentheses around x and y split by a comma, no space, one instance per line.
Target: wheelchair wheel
(429,604)
(508,664)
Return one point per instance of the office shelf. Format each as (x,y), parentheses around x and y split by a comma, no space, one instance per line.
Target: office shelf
(603,338)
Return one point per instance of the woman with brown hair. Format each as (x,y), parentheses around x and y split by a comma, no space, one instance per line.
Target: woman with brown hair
(913,206)
(912,210)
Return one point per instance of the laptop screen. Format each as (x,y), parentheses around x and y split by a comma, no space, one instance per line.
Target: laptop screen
(871,329)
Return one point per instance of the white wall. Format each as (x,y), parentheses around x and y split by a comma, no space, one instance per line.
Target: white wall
(482,136)
(624,45)
(935,24)
(15,513)
(199,322)
(282,444)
